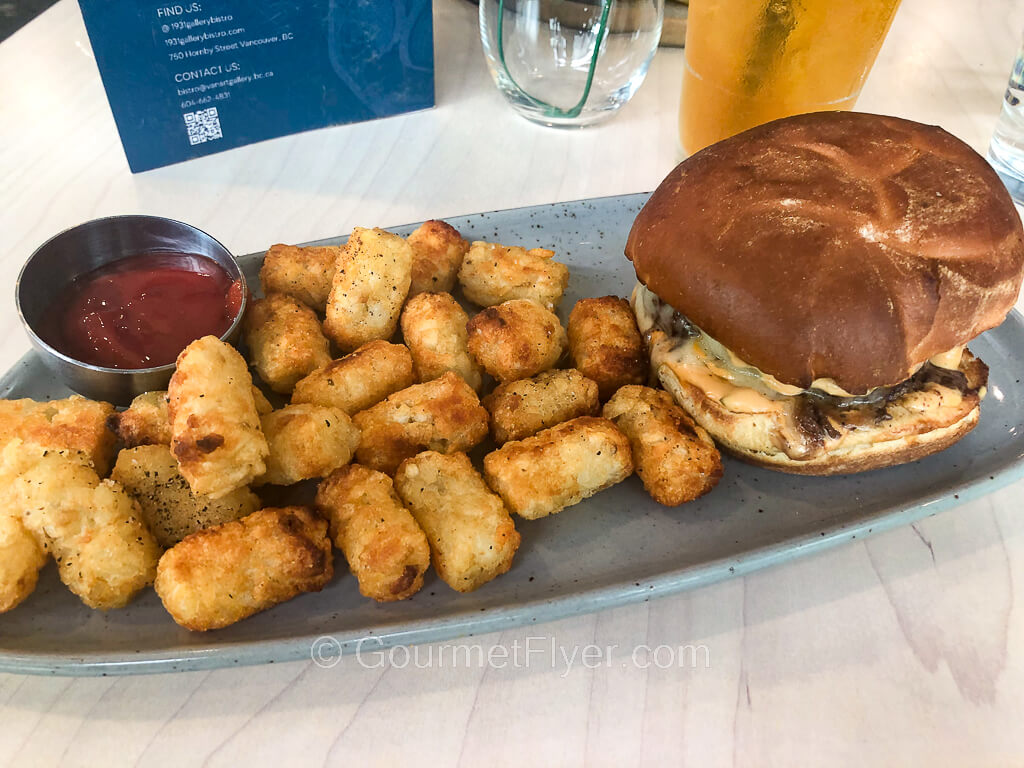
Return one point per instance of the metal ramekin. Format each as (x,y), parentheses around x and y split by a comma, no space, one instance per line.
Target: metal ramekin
(86,247)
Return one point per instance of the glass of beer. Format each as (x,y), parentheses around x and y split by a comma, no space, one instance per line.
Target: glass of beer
(752,61)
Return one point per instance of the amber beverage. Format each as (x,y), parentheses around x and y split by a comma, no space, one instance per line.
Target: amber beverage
(751,61)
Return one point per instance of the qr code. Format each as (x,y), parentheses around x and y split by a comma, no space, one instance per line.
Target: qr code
(203,125)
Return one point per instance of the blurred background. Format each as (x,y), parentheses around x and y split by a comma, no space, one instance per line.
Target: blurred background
(14,14)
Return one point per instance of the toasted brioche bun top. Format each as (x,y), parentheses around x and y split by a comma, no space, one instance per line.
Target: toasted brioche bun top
(834,245)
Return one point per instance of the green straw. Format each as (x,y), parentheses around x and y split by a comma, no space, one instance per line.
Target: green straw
(550,110)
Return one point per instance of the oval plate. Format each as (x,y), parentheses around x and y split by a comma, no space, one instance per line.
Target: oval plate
(615,548)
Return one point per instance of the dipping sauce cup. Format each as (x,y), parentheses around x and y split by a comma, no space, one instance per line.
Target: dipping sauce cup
(97,297)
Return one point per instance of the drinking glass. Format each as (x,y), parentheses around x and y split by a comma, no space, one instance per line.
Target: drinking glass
(569,62)
(751,61)
(1006,152)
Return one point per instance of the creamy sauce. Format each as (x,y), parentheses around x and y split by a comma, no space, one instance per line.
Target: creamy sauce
(697,359)
(691,364)
(652,312)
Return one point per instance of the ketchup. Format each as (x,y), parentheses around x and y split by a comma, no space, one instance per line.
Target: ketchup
(140,312)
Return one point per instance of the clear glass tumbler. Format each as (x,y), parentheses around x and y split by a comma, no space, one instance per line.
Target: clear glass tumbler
(569,62)
(1006,152)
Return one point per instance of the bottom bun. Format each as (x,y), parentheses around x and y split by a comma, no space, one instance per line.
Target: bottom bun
(911,426)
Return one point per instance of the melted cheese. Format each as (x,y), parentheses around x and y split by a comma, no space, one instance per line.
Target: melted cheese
(651,312)
(747,400)
(743,390)
(950,360)
(691,364)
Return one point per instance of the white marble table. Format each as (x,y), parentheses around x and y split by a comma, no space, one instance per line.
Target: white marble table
(907,648)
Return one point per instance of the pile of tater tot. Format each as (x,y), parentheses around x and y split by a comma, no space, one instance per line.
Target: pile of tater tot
(361,370)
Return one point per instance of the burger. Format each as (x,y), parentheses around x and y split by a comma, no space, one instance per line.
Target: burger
(807,289)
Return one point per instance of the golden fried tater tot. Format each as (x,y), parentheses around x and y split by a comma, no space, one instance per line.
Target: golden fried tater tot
(492,274)
(72,424)
(676,459)
(302,272)
(437,251)
(145,422)
(307,441)
(215,428)
(109,555)
(370,285)
(384,545)
(522,408)
(21,557)
(226,573)
(285,340)
(168,506)
(359,380)
(434,328)
(441,415)
(471,534)
(92,527)
(559,467)
(516,340)
(605,344)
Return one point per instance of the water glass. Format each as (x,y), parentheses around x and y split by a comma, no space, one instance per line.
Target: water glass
(1006,152)
(569,62)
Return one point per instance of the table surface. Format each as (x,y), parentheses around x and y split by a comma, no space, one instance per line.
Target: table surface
(906,648)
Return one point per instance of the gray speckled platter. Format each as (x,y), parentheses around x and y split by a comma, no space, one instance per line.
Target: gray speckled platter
(615,548)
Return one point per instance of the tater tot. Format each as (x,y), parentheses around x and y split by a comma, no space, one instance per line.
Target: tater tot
(285,341)
(109,555)
(471,534)
(492,274)
(516,340)
(359,380)
(302,272)
(384,545)
(441,415)
(307,441)
(168,507)
(559,467)
(605,344)
(215,428)
(145,422)
(522,408)
(226,573)
(372,280)
(72,424)
(21,557)
(92,527)
(676,459)
(434,328)
(437,252)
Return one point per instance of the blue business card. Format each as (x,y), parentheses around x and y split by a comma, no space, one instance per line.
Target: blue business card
(194,78)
